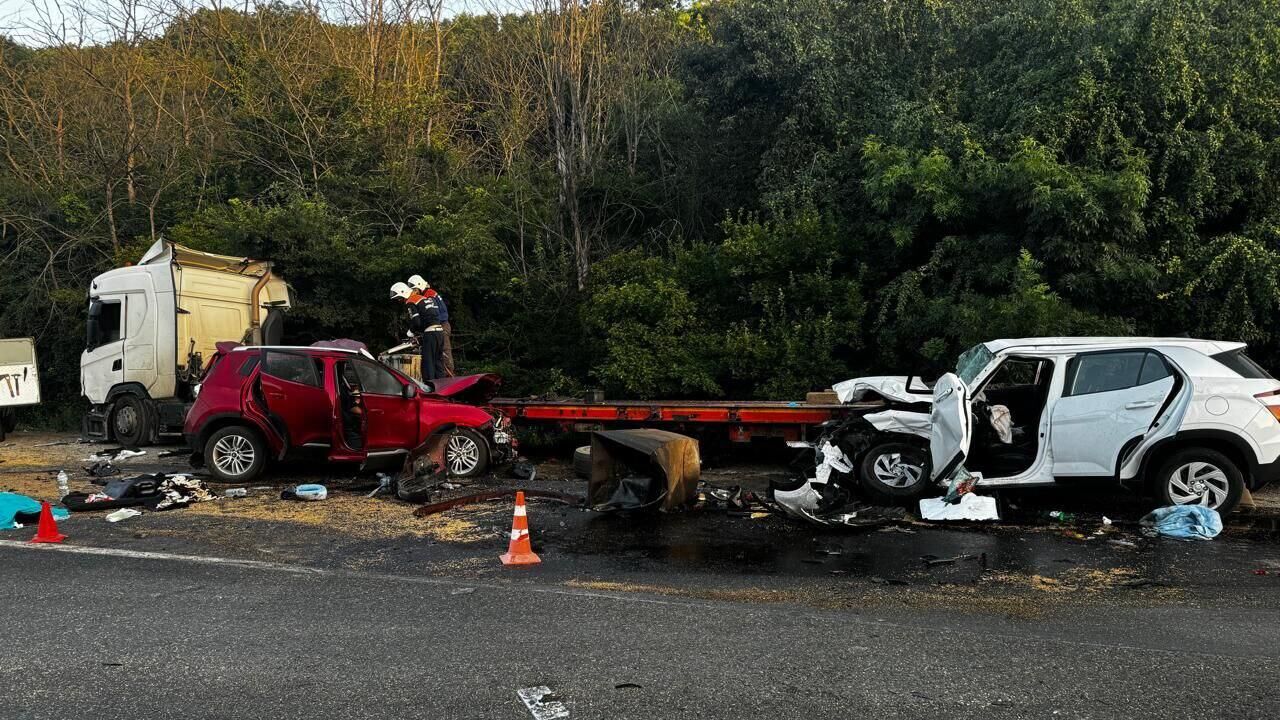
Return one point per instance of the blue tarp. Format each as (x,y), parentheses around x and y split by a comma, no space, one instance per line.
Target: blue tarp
(1188,522)
(12,504)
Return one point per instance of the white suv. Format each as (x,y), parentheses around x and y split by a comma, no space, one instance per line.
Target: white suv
(1197,421)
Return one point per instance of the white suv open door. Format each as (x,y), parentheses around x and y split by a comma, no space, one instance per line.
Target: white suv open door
(950,430)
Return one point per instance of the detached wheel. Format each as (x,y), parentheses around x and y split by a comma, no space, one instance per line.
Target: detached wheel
(131,421)
(1200,476)
(582,461)
(235,454)
(895,470)
(466,454)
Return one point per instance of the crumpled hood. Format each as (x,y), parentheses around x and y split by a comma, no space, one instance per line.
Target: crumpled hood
(898,388)
(470,389)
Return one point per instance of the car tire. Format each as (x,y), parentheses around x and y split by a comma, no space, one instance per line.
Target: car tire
(466,453)
(235,454)
(582,461)
(131,421)
(1191,474)
(894,470)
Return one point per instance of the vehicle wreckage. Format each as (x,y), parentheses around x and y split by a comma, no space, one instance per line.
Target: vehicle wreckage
(1191,422)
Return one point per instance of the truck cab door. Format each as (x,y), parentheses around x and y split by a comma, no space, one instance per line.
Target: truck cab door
(950,426)
(102,362)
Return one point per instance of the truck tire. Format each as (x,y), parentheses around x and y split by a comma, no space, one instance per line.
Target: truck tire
(895,471)
(582,461)
(131,423)
(235,454)
(466,453)
(1193,475)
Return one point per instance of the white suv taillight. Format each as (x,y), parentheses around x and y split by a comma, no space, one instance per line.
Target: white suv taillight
(1274,396)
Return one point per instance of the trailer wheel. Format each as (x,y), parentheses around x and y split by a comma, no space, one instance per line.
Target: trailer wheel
(131,420)
(582,461)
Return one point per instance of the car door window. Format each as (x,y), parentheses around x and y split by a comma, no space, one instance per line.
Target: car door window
(376,379)
(294,368)
(1104,372)
(1153,368)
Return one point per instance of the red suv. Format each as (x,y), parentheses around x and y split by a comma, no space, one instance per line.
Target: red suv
(260,403)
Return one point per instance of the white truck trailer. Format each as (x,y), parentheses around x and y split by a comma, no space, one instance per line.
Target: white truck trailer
(19,380)
(151,327)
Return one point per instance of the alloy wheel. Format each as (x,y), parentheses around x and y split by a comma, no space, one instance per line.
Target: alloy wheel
(893,471)
(233,455)
(462,454)
(1199,483)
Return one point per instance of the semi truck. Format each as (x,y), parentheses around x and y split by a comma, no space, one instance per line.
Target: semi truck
(151,327)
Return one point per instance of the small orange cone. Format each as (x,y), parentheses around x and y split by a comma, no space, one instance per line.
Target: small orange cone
(47,530)
(520,552)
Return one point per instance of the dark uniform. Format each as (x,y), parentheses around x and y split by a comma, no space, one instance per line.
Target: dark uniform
(424,321)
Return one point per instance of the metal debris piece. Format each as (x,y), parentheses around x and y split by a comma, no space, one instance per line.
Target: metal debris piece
(543,704)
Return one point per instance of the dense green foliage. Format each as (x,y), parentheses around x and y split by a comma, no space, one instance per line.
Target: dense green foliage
(740,198)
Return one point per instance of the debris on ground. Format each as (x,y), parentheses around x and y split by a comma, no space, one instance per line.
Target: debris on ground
(643,469)
(308,491)
(101,469)
(969,507)
(1186,522)
(122,514)
(17,510)
(542,703)
(522,469)
(235,492)
(628,686)
(114,455)
(157,491)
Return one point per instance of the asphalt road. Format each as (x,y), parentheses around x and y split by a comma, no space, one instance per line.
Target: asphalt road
(103,636)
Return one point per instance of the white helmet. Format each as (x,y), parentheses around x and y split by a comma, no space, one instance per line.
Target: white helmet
(417,282)
(400,291)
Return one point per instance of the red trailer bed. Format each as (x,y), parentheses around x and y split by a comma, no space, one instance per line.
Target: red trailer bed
(742,419)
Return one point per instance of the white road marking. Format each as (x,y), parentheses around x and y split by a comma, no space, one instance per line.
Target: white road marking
(542,703)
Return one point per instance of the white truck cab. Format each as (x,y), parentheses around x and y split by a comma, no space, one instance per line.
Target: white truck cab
(152,325)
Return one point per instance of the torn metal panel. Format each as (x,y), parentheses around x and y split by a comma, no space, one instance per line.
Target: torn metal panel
(897,388)
(542,703)
(900,421)
(668,462)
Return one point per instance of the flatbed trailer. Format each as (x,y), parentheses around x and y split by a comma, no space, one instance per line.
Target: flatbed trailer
(741,419)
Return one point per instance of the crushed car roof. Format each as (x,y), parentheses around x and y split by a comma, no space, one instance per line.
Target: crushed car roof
(1208,347)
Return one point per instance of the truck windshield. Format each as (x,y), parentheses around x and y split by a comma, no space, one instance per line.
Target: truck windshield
(971,363)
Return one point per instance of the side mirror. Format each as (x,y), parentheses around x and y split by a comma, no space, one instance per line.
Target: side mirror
(409,392)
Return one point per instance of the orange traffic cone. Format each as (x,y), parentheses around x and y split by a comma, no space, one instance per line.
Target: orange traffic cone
(47,530)
(520,552)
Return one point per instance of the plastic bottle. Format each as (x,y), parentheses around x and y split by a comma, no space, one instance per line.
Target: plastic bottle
(1062,517)
(64,486)
(236,492)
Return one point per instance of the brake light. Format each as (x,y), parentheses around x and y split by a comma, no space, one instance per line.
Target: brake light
(1273,409)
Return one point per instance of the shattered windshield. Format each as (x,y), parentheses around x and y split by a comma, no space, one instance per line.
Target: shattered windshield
(971,363)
